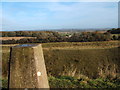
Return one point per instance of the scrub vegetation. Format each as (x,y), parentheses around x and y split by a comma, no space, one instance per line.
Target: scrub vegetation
(54,36)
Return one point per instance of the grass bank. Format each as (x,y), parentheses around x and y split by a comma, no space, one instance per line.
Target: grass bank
(72,82)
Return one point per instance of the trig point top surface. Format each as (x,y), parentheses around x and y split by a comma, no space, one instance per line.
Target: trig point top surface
(27,45)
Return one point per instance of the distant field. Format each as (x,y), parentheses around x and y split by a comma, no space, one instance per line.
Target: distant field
(15,38)
(115,35)
(103,44)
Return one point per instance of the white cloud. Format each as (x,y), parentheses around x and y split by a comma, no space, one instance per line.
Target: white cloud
(60,0)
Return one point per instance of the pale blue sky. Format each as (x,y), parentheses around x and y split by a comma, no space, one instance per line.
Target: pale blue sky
(58,15)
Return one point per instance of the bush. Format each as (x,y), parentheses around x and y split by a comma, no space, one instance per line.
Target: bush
(60,83)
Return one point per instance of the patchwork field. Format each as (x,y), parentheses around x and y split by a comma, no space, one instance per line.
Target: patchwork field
(77,59)
(15,38)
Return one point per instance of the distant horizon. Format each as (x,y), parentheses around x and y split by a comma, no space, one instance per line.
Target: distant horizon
(81,29)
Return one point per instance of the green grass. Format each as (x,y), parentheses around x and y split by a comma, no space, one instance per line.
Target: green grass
(4,82)
(71,82)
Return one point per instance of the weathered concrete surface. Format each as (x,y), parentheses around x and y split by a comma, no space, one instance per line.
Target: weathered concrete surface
(27,67)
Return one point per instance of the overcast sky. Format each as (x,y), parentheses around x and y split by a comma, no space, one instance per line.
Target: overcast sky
(59,15)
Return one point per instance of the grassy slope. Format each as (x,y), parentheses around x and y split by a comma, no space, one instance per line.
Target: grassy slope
(87,62)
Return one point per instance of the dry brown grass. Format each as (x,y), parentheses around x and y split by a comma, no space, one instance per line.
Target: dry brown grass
(15,38)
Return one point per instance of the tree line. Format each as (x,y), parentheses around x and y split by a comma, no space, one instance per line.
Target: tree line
(114,31)
(50,36)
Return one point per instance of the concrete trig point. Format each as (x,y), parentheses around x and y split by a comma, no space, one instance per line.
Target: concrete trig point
(27,67)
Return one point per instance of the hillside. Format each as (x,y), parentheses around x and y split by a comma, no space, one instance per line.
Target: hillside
(77,59)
